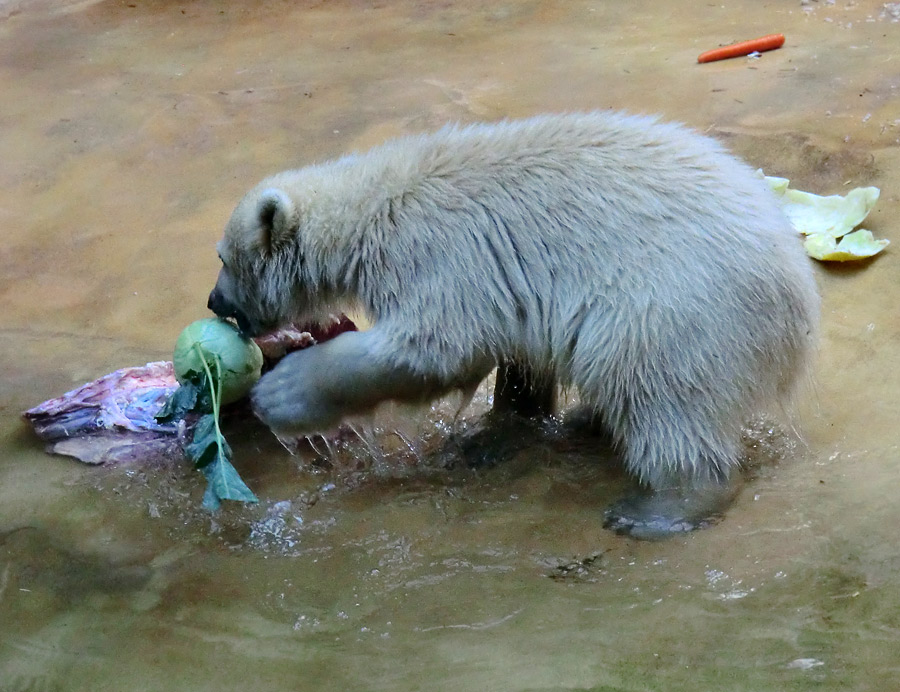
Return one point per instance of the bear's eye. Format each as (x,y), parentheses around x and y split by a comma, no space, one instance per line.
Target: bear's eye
(220,251)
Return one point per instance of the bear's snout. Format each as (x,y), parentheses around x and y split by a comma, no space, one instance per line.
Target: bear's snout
(219,304)
(224,308)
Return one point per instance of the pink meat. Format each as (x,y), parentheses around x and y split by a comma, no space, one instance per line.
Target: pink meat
(127,399)
(112,419)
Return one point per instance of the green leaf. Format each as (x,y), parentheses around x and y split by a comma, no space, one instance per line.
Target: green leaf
(204,403)
(192,396)
(211,453)
(210,499)
(182,400)
(224,483)
(206,443)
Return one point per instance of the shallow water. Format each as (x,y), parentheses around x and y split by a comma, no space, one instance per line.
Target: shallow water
(129,132)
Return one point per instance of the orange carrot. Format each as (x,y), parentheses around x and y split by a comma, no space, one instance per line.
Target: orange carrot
(770,42)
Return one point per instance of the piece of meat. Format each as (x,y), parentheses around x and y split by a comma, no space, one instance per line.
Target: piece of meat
(112,419)
(276,345)
(106,420)
(127,400)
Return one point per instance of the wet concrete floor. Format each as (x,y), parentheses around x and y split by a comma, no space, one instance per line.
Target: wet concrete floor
(128,131)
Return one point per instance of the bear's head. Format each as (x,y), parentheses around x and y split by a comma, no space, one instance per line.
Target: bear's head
(259,283)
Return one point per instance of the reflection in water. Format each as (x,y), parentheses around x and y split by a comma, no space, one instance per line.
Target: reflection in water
(130,130)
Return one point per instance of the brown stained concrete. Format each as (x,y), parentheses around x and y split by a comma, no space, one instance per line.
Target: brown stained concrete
(128,130)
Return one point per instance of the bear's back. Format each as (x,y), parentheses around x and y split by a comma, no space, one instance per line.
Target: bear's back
(633,171)
(526,233)
(579,197)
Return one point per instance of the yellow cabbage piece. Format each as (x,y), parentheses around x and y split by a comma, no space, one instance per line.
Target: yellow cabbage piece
(779,185)
(856,245)
(825,220)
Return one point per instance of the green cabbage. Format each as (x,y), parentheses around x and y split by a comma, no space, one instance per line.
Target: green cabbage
(233,358)
(214,365)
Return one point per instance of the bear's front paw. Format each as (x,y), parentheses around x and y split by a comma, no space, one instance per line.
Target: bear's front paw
(291,410)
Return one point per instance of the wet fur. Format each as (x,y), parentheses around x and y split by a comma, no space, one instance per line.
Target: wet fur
(633,260)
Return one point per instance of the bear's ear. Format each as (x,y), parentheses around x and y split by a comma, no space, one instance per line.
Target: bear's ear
(277,219)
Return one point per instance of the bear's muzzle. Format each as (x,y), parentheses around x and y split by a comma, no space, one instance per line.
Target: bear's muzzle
(224,308)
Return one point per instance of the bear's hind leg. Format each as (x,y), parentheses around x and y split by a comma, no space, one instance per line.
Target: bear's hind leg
(656,514)
(689,476)
(522,401)
(518,390)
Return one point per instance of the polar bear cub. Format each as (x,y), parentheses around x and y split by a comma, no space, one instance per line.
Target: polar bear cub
(634,260)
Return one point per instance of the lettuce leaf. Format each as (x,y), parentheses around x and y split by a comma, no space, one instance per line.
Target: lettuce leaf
(834,215)
(828,222)
(857,245)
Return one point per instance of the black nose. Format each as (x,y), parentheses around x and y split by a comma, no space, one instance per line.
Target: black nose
(224,309)
(216,303)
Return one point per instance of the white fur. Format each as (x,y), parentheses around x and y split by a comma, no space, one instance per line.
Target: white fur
(634,260)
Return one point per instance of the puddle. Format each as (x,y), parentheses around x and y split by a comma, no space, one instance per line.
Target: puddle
(129,132)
